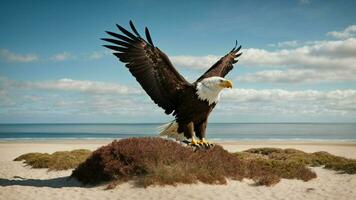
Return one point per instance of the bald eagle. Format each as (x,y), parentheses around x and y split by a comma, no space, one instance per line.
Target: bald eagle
(189,103)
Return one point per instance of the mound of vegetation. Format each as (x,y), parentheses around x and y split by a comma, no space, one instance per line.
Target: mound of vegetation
(293,157)
(156,161)
(60,160)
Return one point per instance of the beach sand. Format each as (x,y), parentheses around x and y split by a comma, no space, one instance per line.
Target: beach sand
(18,181)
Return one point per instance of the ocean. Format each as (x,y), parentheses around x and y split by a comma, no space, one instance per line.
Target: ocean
(215,131)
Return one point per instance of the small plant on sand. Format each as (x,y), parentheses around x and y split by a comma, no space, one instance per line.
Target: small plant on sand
(156,161)
(60,160)
(295,157)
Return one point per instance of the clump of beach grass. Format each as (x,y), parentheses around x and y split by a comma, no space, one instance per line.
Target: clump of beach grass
(156,161)
(60,160)
(295,157)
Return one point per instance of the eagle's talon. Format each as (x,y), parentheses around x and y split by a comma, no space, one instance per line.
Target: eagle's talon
(194,143)
(205,143)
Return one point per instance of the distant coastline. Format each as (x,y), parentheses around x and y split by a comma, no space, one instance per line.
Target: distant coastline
(216,131)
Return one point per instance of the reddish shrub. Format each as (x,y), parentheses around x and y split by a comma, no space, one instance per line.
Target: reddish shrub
(159,161)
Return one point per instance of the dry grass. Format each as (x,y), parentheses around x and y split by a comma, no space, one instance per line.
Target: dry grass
(60,160)
(293,156)
(155,161)
(158,161)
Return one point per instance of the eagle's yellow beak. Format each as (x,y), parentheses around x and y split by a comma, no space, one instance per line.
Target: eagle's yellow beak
(226,84)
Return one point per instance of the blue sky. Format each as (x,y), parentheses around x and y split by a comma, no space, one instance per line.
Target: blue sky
(299,61)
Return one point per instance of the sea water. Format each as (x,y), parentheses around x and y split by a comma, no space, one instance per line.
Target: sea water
(215,131)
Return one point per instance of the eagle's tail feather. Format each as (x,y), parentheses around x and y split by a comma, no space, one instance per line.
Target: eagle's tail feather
(170,130)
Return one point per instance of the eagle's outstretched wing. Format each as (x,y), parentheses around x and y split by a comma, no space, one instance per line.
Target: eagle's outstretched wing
(224,65)
(149,65)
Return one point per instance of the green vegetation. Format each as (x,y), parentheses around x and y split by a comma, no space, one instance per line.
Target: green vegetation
(156,161)
(60,160)
(294,157)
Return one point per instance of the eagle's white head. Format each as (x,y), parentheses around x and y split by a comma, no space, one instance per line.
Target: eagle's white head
(209,88)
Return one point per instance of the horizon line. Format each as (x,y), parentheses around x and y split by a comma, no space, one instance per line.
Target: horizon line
(129,123)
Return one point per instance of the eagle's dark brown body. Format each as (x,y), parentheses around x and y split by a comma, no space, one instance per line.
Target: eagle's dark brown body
(192,114)
(166,87)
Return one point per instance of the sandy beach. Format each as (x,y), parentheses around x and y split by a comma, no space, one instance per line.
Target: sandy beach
(18,181)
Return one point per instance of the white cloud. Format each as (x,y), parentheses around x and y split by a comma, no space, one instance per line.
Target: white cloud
(322,61)
(331,55)
(348,32)
(91,98)
(280,95)
(292,43)
(289,103)
(9,56)
(73,97)
(98,55)
(322,55)
(304,2)
(318,61)
(61,57)
(297,76)
(66,84)
(194,62)
(95,56)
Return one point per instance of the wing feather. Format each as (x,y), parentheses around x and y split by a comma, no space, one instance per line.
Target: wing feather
(127,33)
(224,65)
(124,38)
(134,29)
(149,65)
(148,36)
